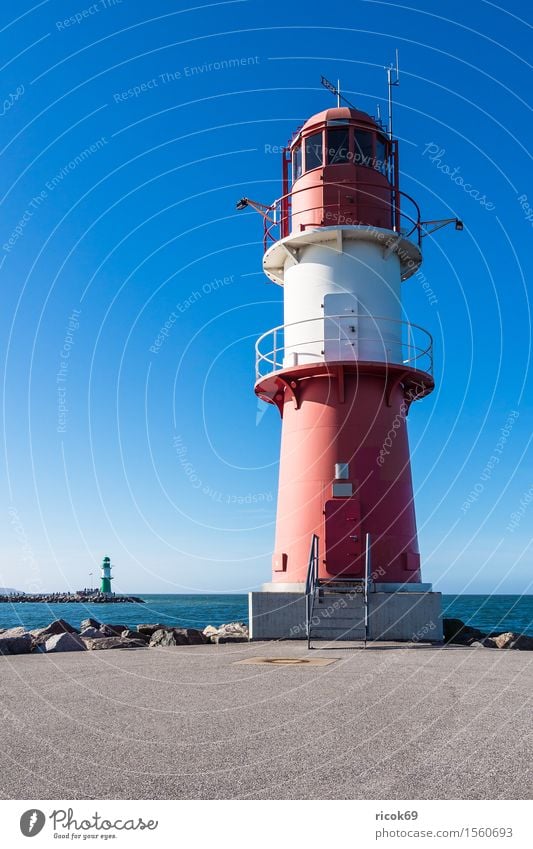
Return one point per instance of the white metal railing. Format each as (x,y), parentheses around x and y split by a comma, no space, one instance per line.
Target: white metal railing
(344,337)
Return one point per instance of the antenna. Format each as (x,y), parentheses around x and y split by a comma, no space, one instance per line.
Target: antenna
(393,79)
(336,90)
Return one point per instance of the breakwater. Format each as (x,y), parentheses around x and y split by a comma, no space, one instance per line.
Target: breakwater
(93,597)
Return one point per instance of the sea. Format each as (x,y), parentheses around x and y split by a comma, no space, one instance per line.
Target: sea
(496,613)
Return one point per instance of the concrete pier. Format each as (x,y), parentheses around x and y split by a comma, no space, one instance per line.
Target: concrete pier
(389,722)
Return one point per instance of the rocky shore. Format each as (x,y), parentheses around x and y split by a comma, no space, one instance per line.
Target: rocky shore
(92,635)
(66,598)
(456,632)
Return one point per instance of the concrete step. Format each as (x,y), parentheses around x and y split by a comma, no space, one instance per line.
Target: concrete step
(337,633)
(337,605)
(336,617)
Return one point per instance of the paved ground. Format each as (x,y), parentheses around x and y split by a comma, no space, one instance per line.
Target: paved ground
(388,722)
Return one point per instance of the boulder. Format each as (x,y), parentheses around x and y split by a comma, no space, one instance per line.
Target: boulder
(15,644)
(232,632)
(114,643)
(523,643)
(112,630)
(93,633)
(89,623)
(177,637)
(151,629)
(59,626)
(164,637)
(455,631)
(64,642)
(135,635)
(504,641)
(19,631)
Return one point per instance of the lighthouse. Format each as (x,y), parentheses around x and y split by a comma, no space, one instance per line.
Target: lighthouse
(105,568)
(344,369)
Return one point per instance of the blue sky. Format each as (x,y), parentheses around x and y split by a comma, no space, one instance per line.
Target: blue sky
(123,153)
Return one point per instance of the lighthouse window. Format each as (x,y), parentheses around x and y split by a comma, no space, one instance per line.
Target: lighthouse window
(313,151)
(338,146)
(296,163)
(363,153)
(380,162)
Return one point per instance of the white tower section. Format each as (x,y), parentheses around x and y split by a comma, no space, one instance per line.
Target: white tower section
(342,297)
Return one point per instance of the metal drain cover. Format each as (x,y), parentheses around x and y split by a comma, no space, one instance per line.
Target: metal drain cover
(291,661)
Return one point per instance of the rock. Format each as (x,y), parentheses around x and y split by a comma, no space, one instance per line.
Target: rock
(151,629)
(504,641)
(232,632)
(455,631)
(192,636)
(59,626)
(135,635)
(116,630)
(93,633)
(89,623)
(16,644)
(64,642)
(164,637)
(115,643)
(239,628)
(19,631)
(523,643)
(177,637)
(112,630)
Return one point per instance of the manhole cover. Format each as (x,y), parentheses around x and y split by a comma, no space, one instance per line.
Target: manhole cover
(291,661)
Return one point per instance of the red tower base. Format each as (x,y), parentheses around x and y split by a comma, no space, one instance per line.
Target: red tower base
(355,414)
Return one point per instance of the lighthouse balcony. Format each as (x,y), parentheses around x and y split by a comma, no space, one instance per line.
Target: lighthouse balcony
(347,338)
(342,202)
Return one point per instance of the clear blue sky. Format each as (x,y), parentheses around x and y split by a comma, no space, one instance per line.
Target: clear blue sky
(118,206)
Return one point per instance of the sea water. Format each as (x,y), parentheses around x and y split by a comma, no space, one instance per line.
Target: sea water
(496,613)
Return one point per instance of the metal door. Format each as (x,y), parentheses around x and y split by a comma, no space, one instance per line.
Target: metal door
(344,544)
(341,332)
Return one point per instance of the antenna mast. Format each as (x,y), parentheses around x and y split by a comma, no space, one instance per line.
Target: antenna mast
(336,90)
(393,79)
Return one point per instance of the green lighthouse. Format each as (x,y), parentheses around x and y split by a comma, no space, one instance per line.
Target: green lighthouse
(105,585)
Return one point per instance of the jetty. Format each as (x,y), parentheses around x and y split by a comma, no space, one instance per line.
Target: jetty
(80,596)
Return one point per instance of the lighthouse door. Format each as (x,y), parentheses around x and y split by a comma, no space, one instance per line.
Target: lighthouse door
(344,543)
(341,331)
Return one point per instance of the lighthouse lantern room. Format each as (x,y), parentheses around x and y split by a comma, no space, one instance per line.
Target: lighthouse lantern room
(343,370)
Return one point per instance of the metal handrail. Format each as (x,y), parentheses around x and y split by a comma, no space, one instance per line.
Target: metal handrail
(368,578)
(311,584)
(283,221)
(418,355)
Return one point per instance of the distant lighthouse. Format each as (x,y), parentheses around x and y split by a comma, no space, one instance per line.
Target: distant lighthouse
(343,371)
(105,584)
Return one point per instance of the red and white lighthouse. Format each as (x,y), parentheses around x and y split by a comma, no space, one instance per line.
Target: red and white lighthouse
(343,370)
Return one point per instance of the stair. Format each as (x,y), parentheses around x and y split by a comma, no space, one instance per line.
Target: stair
(338,611)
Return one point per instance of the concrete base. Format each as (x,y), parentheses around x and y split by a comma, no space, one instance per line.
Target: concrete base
(404,616)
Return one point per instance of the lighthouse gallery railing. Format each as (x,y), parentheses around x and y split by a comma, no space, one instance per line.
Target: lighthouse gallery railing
(278,221)
(393,341)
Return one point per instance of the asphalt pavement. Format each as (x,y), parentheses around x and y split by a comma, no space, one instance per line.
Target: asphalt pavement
(386,722)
